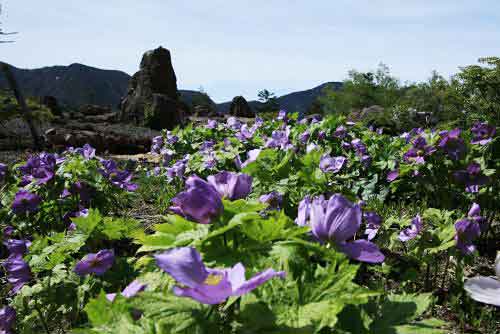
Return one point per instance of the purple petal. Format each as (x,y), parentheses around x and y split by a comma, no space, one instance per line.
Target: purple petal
(392,175)
(304,211)
(319,225)
(343,218)
(206,294)
(241,287)
(363,250)
(184,265)
(133,288)
(97,263)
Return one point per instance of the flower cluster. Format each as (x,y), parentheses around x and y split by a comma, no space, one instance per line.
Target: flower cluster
(336,221)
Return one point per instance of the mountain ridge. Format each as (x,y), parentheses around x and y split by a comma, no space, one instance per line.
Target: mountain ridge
(78,84)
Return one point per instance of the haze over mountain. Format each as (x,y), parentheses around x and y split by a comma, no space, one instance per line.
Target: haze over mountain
(78,84)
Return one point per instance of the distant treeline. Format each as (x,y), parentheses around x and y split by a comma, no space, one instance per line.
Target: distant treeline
(470,95)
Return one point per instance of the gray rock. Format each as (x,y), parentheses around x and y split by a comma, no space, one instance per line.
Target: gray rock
(152,99)
(240,108)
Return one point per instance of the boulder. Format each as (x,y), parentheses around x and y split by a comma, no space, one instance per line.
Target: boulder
(94,110)
(112,138)
(203,111)
(153,99)
(371,111)
(240,108)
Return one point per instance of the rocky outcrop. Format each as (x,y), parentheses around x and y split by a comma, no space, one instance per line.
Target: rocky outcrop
(105,137)
(371,111)
(94,110)
(97,126)
(240,108)
(152,99)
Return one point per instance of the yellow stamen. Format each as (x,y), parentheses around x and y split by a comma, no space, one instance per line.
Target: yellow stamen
(213,279)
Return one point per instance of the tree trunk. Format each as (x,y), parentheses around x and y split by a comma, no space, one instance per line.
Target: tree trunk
(25,112)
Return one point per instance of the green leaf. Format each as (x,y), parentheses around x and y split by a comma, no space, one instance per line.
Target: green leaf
(118,228)
(400,310)
(177,232)
(173,314)
(264,230)
(103,312)
(87,224)
(57,253)
(232,208)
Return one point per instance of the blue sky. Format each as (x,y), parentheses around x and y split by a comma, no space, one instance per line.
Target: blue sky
(238,47)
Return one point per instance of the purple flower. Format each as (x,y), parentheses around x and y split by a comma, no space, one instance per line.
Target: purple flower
(171,138)
(95,263)
(345,145)
(40,168)
(82,190)
(472,178)
(331,164)
(244,134)
(231,185)
(156,144)
(321,135)
(210,161)
(304,137)
(419,151)
(373,223)
(233,123)
(311,147)
(167,155)
(316,119)
(7,320)
(406,136)
(200,201)
(412,231)
(24,202)
(3,171)
(82,212)
(252,156)
(359,147)
(17,247)
(337,221)
(340,132)
(466,232)
(211,124)
(366,160)
(282,116)
(483,133)
(87,151)
(279,139)
(452,144)
(130,291)
(177,170)
(8,231)
(18,272)
(207,145)
(392,175)
(118,178)
(474,214)
(121,179)
(206,285)
(304,211)
(274,199)
(258,122)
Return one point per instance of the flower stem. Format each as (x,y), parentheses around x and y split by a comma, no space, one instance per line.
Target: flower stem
(42,319)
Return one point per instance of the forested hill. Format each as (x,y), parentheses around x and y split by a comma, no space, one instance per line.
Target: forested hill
(78,84)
